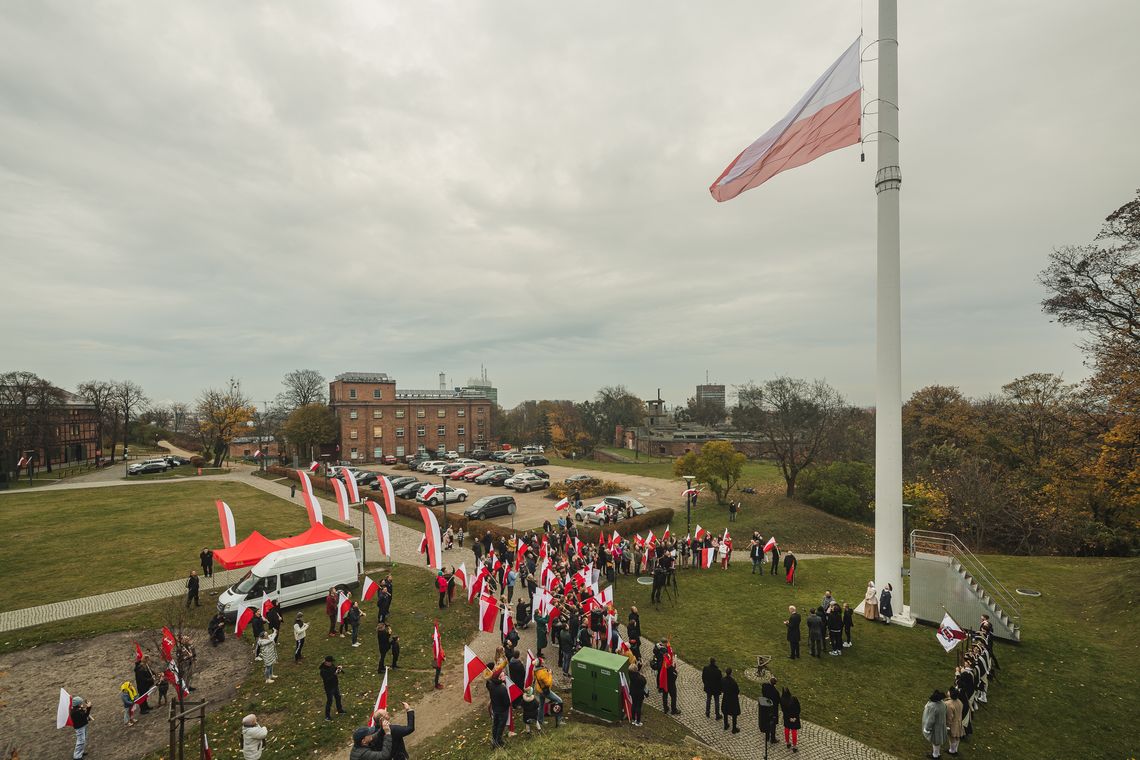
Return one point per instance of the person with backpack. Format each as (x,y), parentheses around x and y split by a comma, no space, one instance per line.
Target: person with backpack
(544,681)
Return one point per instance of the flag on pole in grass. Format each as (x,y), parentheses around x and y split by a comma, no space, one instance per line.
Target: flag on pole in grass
(381,699)
(770,545)
(63,709)
(168,643)
(473,667)
(437,654)
(369,589)
(341,494)
(825,119)
(383,532)
(207,753)
(226,520)
(432,537)
(949,633)
(389,495)
(488,611)
(312,503)
(561,504)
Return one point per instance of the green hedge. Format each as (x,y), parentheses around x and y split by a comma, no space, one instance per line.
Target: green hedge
(587,491)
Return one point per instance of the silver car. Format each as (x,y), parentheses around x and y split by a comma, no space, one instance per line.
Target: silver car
(620,507)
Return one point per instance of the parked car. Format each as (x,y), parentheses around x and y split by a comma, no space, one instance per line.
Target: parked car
(499,456)
(540,473)
(366,477)
(498,477)
(491,506)
(148,467)
(581,480)
(389,459)
(525,482)
(490,474)
(397,483)
(534,460)
(432,465)
(451,468)
(437,497)
(476,472)
(515,457)
(464,471)
(620,506)
(408,490)
(480,454)
(533,449)
(176,461)
(451,456)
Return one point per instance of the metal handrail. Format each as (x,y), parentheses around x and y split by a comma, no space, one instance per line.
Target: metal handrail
(951,545)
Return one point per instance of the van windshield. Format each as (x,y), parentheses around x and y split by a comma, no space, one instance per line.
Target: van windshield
(246,584)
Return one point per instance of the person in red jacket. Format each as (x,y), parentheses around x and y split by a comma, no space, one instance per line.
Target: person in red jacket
(441,586)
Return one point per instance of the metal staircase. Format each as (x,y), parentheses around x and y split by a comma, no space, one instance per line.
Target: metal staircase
(946,575)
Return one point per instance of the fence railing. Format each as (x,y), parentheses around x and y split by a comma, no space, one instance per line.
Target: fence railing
(948,544)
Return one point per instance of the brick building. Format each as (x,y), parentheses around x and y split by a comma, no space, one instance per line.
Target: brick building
(72,434)
(249,445)
(376,419)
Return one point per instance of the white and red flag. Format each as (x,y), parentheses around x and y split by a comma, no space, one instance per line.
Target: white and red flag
(460,574)
(531,662)
(431,535)
(313,467)
(312,504)
(352,487)
(770,545)
(63,709)
(700,533)
(341,493)
(665,535)
(437,654)
(369,589)
(258,454)
(383,532)
(473,667)
(690,492)
(520,553)
(141,699)
(343,605)
(949,633)
(389,495)
(226,520)
(488,611)
(176,680)
(726,539)
(561,504)
(507,624)
(707,556)
(207,753)
(245,614)
(477,585)
(381,699)
(825,119)
(626,697)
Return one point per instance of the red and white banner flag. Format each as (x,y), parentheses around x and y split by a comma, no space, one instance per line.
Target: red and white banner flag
(949,633)
(626,697)
(258,454)
(389,495)
(244,616)
(707,556)
(825,119)
(531,662)
(381,699)
(352,487)
(477,586)
(770,545)
(341,493)
(312,504)
(174,677)
(226,520)
(651,540)
(507,623)
(726,539)
(207,753)
(460,574)
(520,554)
(700,533)
(168,644)
(488,611)
(343,605)
(605,597)
(691,492)
(473,667)
(63,709)
(314,466)
(383,532)
(665,535)
(437,654)
(431,534)
(369,589)
(561,504)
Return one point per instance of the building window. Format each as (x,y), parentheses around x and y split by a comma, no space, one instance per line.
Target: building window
(353,434)
(441,430)
(352,454)
(461,430)
(479,424)
(399,432)
(376,393)
(399,451)
(399,414)
(352,393)
(441,412)
(461,412)
(377,431)
(352,414)
(420,412)
(377,453)
(460,449)
(421,431)
(421,448)
(479,410)
(377,414)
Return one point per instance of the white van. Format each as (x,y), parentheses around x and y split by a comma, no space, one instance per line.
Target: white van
(294,576)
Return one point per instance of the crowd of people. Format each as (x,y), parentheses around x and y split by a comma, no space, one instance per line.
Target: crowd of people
(948,717)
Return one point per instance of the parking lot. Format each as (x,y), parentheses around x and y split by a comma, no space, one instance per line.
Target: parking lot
(534,507)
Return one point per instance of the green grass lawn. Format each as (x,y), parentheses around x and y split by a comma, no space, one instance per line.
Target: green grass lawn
(756,473)
(1064,691)
(76,543)
(581,738)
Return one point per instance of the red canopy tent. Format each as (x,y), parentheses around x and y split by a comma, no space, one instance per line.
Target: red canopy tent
(255,546)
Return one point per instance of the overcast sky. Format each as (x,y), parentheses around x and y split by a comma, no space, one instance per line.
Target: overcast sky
(193,191)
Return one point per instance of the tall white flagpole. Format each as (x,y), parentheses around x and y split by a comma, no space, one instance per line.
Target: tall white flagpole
(888,397)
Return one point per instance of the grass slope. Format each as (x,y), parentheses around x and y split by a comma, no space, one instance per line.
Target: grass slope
(1061,693)
(755,474)
(76,543)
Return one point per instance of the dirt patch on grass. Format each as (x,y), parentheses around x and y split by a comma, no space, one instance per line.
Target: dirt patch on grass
(94,668)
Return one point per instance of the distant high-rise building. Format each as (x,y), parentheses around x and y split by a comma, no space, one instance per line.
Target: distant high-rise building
(714,393)
(482,386)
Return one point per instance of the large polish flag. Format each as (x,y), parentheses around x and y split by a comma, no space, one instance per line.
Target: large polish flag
(226,519)
(825,119)
(389,495)
(63,709)
(431,534)
(341,500)
(488,611)
(381,699)
(369,589)
(312,504)
(383,534)
(473,667)
(353,489)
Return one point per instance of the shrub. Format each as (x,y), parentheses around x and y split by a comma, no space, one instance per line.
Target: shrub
(845,489)
(197,461)
(594,490)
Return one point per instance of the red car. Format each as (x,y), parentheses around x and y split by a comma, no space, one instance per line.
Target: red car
(390,459)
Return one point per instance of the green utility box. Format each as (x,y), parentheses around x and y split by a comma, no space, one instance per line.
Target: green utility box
(597,688)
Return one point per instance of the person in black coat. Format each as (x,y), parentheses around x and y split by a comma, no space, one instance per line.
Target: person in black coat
(712,679)
(383,643)
(769,713)
(791,707)
(793,625)
(144,680)
(775,559)
(273,618)
(383,605)
(192,590)
(207,560)
(730,700)
(399,752)
(330,678)
(834,619)
(815,632)
(517,671)
(633,627)
(637,690)
(500,708)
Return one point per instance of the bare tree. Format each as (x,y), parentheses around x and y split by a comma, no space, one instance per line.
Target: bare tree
(179,412)
(99,393)
(29,416)
(222,412)
(129,397)
(302,387)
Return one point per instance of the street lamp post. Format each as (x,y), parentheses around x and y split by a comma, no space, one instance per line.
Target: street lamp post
(688,503)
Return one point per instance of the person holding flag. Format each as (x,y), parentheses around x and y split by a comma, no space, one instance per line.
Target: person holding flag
(437,655)
(144,677)
(78,718)
(128,695)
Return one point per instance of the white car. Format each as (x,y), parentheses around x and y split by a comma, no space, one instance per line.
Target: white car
(526,481)
(433,465)
(437,496)
(620,505)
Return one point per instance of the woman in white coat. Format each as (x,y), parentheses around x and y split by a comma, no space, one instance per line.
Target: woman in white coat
(871,602)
